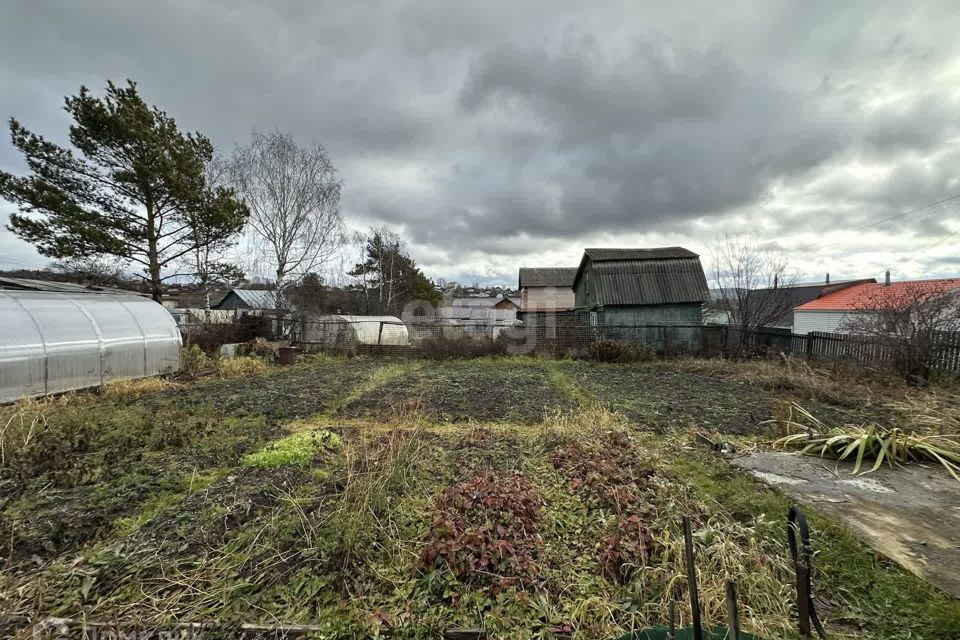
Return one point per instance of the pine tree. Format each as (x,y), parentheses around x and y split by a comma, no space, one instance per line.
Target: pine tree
(133,187)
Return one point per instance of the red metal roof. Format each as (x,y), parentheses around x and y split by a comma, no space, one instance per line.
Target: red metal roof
(877,296)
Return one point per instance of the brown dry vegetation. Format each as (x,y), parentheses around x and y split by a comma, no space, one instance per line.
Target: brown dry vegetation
(534,498)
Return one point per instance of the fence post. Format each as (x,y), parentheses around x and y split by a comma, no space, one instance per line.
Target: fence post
(380,334)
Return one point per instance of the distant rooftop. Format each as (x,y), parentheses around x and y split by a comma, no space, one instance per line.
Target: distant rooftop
(547,276)
(26,284)
(871,295)
(653,253)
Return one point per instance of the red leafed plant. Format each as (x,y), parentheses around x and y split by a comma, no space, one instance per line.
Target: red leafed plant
(485,531)
(606,470)
(630,546)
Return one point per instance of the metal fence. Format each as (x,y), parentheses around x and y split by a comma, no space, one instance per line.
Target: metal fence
(559,337)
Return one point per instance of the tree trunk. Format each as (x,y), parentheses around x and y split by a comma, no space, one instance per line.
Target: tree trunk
(153,253)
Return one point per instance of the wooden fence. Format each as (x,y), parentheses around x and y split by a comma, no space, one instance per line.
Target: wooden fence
(560,337)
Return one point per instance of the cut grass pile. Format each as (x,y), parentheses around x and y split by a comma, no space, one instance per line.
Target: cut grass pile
(870,442)
(274,500)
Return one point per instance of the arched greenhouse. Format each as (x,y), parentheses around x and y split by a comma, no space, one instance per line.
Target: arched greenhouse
(336,331)
(53,341)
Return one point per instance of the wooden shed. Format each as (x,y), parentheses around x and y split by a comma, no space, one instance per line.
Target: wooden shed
(628,291)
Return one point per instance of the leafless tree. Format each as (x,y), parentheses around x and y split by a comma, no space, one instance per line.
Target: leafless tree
(294,197)
(916,323)
(750,280)
(207,260)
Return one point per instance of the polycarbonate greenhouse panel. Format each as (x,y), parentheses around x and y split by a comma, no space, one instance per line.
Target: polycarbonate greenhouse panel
(53,342)
(22,361)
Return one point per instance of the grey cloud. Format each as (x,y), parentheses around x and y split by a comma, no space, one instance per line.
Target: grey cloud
(495,133)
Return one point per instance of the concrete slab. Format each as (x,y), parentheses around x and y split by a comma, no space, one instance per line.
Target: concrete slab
(910,514)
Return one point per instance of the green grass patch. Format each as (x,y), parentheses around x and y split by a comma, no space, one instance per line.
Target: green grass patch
(298,449)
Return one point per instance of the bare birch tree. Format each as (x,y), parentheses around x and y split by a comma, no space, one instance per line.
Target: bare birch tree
(293,193)
(750,279)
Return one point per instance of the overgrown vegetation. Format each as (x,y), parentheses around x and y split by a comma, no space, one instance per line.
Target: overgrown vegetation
(615,351)
(298,449)
(274,499)
(870,442)
(444,348)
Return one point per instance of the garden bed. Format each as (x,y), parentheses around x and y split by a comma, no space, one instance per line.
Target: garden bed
(511,496)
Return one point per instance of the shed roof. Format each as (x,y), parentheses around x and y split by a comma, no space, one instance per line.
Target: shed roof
(789,297)
(28,284)
(871,295)
(256,298)
(653,253)
(547,276)
(664,275)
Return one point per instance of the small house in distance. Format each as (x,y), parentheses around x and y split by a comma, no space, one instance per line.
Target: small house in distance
(246,300)
(547,289)
(481,309)
(784,299)
(840,311)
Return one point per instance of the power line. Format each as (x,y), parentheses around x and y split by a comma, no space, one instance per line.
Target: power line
(922,251)
(911,211)
(833,245)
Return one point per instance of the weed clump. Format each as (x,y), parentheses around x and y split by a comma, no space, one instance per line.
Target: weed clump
(299,449)
(486,531)
(241,367)
(443,348)
(629,547)
(615,351)
(194,359)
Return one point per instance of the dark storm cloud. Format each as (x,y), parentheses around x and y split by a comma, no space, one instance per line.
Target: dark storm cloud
(496,133)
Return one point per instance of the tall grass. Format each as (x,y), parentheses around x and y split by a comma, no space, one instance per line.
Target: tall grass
(871,442)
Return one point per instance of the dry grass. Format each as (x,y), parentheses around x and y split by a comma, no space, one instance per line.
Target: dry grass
(137,386)
(23,421)
(750,553)
(930,411)
(241,367)
(839,383)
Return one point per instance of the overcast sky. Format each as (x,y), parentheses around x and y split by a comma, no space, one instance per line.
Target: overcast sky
(496,135)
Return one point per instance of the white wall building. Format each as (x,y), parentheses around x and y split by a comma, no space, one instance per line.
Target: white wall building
(840,312)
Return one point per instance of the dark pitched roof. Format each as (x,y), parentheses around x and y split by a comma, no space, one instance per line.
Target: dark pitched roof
(27,284)
(664,275)
(547,276)
(253,298)
(656,253)
(792,296)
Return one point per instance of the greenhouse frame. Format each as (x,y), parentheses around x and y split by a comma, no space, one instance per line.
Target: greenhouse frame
(337,331)
(56,341)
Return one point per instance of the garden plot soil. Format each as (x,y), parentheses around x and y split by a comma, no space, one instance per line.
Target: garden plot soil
(297,392)
(486,391)
(175,522)
(661,400)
